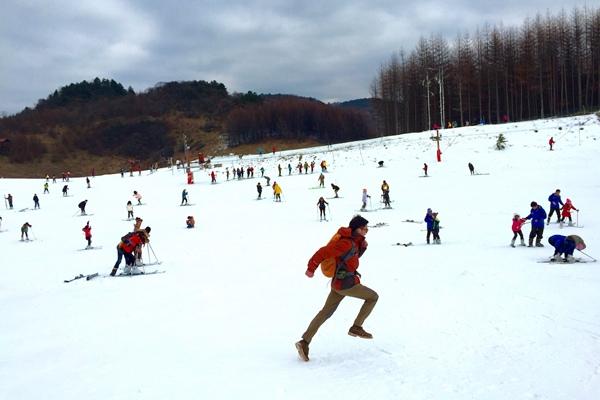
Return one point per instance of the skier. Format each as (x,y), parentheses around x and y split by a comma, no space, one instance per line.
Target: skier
(10,201)
(551,142)
(289,169)
(36,201)
(129,210)
(429,221)
(435,229)
(65,190)
(137,196)
(323,166)
(517,224)
(268,180)
(184,198)
(126,248)
(471,169)
(425,167)
(82,207)
(25,231)
(537,217)
(565,245)
(321,203)
(566,212)
(306,167)
(190,222)
(213,177)
(259,189)
(299,167)
(385,188)
(555,203)
(87,230)
(46,190)
(365,196)
(279,169)
(347,251)
(277,191)
(321,180)
(312,166)
(336,189)
(87,180)
(262,172)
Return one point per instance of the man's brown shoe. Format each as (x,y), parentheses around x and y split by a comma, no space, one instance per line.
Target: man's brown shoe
(358,331)
(302,347)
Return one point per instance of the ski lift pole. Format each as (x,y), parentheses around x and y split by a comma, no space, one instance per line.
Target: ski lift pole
(585,254)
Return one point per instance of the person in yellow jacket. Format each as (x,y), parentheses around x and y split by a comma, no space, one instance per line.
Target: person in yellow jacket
(277,191)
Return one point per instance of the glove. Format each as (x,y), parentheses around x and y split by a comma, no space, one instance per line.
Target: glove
(309,273)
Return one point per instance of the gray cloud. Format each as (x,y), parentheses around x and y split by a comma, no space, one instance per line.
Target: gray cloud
(328,50)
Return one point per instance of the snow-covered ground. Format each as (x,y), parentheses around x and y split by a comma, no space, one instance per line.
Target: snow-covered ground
(469,319)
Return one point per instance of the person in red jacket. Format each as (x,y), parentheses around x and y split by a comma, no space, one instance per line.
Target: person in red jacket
(551,142)
(127,247)
(517,224)
(87,230)
(566,212)
(346,281)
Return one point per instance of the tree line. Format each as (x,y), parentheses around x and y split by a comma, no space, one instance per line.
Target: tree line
(549,66)
(288,117)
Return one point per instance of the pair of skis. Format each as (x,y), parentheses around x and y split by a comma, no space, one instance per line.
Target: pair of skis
(122,275)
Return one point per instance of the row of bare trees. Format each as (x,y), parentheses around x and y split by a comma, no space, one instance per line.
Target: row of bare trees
(549,66)
(295,118)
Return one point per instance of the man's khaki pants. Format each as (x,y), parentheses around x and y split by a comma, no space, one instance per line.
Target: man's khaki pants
(333,301)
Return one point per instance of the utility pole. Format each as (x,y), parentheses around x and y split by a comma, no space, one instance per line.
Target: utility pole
(427,82)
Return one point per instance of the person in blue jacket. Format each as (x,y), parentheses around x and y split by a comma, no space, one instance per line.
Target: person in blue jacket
(565,245)
(555,203)
(537,217)
(429,220)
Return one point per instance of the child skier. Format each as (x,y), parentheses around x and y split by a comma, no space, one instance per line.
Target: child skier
(65,190)
(321,203)
(277,191)
(259,190)
(190,222)
(565,245)
(137,196)
(87,230)
(129,210)
(184,198)
(365,196)
(36,201)
(566,212)
(436,229)
(517,224)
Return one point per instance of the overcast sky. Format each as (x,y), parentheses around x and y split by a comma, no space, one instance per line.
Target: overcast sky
(328,49)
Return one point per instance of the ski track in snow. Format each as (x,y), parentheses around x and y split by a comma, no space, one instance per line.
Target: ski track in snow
(470,318)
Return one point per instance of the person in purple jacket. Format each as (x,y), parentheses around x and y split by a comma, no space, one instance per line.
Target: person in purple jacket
(555,203)
(429,220)
(537,217)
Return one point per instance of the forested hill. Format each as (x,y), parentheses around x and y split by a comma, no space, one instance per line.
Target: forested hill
(104,124)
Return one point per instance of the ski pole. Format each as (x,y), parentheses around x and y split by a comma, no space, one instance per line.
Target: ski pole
(153,253)
(587,255)
(370,204)
(329,209)
(33,234)
(5,203)
(577,217)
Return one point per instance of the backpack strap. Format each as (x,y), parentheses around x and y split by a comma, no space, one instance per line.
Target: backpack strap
(340,268)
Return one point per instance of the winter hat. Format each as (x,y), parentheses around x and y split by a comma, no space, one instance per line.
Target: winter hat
(429,211)
(147,230)
(533,204)
(579,243)
(568,200)
(357,221)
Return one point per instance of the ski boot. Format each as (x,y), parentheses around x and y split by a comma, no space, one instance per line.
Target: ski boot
(358,331)
(523,242)
(512,243)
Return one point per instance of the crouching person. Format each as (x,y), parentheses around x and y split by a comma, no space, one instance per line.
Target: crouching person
(565,246)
